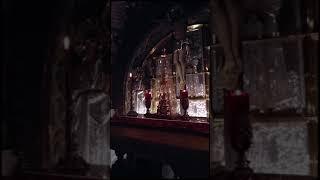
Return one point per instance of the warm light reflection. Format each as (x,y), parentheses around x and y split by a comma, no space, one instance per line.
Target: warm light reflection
(152,51)
(195,84)
(66,43)
(194,27)
(238,92)
(140,106)
(197,108)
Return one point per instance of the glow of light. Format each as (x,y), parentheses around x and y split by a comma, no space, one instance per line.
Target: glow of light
(207,68)
(310,22)
(238,92)
(197,108)
(140,106)
(152,51)
(66,43)
(194,27)
(130,75)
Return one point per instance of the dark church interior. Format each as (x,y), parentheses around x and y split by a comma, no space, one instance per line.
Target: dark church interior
(213,89)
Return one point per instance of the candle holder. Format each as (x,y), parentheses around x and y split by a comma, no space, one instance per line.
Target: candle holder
(238,128)
(147,101)
(132,112)
(184,102)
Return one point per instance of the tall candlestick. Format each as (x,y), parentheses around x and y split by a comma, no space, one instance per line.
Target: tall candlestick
(147,100)
(184,102)
(132,112)
(237,125)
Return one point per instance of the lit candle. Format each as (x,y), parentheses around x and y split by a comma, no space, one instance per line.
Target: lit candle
(237,103)
(184,93)
(236,112)
(66,43)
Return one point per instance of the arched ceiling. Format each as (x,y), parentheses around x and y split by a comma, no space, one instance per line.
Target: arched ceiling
(137,26)
(131,21)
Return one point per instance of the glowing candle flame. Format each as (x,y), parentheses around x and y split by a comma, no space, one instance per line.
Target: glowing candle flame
(66,43)
(238,92)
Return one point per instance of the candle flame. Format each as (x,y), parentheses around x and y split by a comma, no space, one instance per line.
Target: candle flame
(130,74)
(66,42)
(238,92)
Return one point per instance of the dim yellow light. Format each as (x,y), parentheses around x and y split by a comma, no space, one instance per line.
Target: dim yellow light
(66,43)
(194,27)
(152,51)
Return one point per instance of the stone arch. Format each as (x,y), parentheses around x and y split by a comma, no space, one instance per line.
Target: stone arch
(151,40)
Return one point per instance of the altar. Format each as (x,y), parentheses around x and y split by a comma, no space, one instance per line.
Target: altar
(184,145)
(164,116)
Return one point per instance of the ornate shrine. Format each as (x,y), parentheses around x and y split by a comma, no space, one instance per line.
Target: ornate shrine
(166,113)
(175,76)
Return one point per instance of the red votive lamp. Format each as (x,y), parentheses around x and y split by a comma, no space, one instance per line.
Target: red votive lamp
(236,105)
(184,101)
(183,93)
(236,114)
(147,101)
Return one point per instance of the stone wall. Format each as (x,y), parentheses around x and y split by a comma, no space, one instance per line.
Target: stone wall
(79,104)
(278,147)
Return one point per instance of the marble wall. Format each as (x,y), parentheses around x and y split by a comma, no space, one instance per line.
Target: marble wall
(278,148)
(80,95)
(273,75)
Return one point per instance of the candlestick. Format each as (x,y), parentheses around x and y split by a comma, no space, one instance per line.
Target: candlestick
(184,102)
(237,125)
(132,112)
(147,100)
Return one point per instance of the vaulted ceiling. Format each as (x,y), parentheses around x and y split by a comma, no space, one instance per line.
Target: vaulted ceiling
(130,21)
(137,26)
